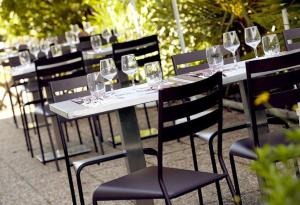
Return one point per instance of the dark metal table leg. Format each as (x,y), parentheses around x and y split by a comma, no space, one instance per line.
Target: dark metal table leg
(132,143)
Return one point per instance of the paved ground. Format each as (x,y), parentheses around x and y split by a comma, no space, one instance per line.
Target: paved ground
(24,180)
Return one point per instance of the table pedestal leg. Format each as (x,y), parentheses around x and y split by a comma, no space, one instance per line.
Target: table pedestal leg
(132,143)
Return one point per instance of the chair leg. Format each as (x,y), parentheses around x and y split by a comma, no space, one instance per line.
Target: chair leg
(235,178)
(196,166)
(22,120)
(111,130)
(78,131)
(12,106)
(27,132)
(39,138)
(67,132)
(93,135)
(80,192)
(51,143)
(215,170)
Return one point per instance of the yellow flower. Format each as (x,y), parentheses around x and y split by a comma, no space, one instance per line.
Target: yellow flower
(295,107)
(262,98)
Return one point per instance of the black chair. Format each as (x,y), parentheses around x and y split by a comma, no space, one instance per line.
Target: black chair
(292,39)
(145,49)
(24,86)
(276,75)
(159,182)
(67,89)
(47,70)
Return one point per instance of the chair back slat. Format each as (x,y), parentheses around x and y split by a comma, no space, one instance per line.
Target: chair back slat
(273,64)
(291,98)
(189,90)
(200,113)
(190,108)
(274,81)
(190,127)
(289,36)
(63,90)
(196,60)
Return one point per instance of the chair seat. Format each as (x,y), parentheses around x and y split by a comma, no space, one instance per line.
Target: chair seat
(39,111)
(245,147)
(144,184)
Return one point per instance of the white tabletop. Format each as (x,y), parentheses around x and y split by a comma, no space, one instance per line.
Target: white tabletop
(71,110)
(125,97)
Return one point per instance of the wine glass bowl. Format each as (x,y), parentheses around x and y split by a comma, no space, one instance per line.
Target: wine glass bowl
(96,86)
(129,66)
(45,46)
(106,33)
(24,57)
(108,70)
(153,72)
(231,43)
(271,45)
(215,58)
(96,43)
(252,38)
(56,50)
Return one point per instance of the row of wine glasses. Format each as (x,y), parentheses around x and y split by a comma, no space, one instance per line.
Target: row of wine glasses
(108,71)
(231,43)
(253,39)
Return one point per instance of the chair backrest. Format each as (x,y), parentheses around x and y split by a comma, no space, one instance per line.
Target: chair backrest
(277,76)
(196,60)
(292,38)
(68,89)
(202,110)
(145,49)
(14,61)
(57,68)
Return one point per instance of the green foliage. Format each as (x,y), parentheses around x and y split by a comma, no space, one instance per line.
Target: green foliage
(279,184)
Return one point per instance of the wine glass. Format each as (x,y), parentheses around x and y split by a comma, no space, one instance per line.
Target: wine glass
(71,40)
(153,73)
(35,48)
(96,43)
(24,57)
(129,66)
(271,45)
(45,46)
(215,59)
(96,86)
(76,30)
(108,70)
(106,33)
(56,50)
(87,27)
(252,38)
(231,43)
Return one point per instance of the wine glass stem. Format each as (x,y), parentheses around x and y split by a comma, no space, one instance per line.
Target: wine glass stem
(234,60)
(133,83)
(255,51)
